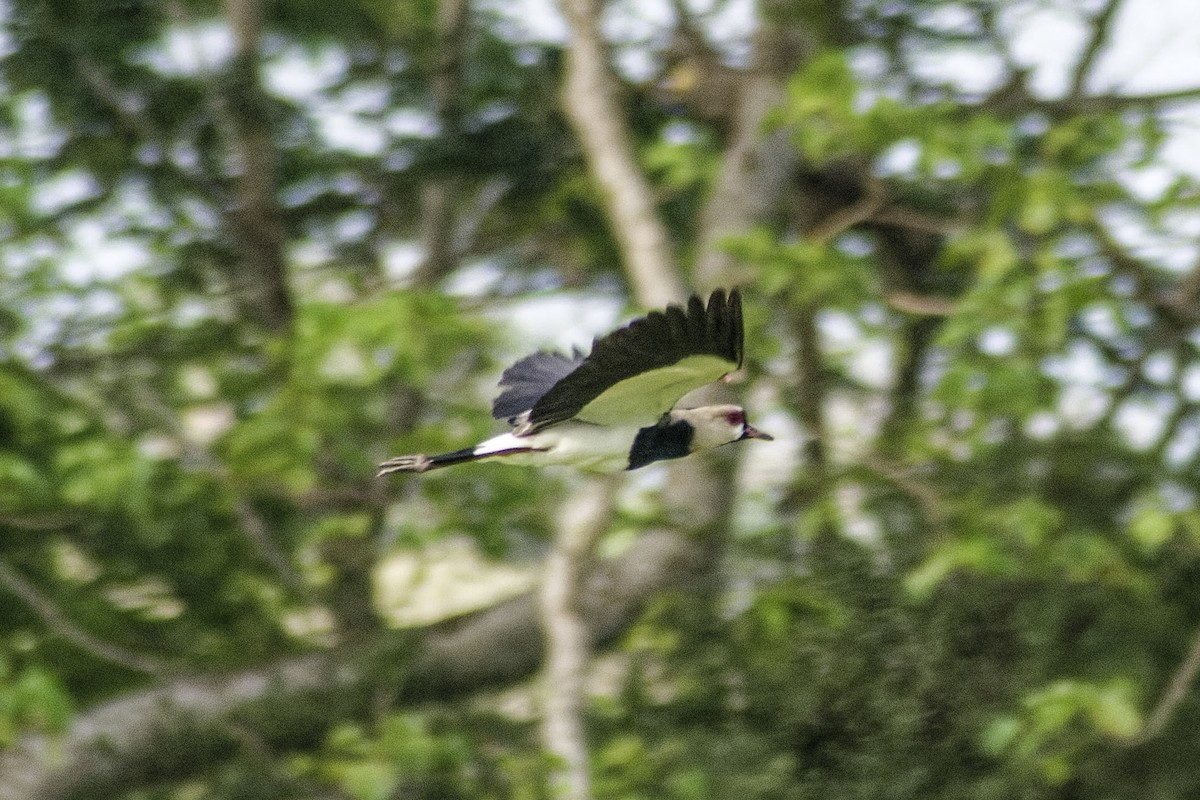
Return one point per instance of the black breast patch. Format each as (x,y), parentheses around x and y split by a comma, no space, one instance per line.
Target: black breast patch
(661,442)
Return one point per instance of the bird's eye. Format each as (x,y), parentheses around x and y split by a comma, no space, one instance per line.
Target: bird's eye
(736,418)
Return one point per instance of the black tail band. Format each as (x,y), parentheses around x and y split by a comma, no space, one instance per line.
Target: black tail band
(424,463)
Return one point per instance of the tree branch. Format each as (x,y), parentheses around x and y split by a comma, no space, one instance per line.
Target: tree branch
(810,380)
(1147,288)
(847,217)
(137,124)
(590,100)
(256,221)
(583,520)
(439,196)
(1101,27)
(922,305)
(901,216)
(1176,690)
(50,521)
(188,725)
(757,170)
(1009,107)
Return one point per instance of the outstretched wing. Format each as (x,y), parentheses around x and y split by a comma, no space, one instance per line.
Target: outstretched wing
(641,370)
(525,382)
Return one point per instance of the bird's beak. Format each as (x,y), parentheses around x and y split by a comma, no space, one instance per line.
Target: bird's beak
(751,432)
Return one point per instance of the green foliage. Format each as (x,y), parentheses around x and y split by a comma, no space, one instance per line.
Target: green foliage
(830,120)
(31,699)
(1040,734)
(805,272)
(973,581)
(401,756)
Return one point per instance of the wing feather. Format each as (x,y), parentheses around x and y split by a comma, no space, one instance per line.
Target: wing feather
(526,381)
(643,369)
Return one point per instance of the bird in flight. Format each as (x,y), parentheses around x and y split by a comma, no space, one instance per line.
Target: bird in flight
(613,408)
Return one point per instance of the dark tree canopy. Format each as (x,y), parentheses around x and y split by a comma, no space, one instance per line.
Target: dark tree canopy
(250,249)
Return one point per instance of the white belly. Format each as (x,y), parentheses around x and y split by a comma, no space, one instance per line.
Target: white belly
(599,448)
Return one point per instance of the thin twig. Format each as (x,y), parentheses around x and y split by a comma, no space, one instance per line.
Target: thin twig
(59,623)
(1187,291)
(1145,282)
(471,218)
(133,118)
(41,522)
(901,216)
(251,525)
(998,37)
(847,217)
(103,89)
(1176,690)
(924,305)
(904,478)
(1101,103)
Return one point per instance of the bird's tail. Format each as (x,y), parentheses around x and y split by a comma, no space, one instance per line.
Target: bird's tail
(424,463)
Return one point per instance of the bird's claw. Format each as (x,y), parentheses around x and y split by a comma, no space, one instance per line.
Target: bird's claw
(414,463)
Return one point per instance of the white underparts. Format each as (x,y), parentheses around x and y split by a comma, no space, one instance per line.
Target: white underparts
(592,447)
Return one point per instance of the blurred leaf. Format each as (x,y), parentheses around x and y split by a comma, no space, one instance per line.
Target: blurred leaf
(1151,526)
(977,555)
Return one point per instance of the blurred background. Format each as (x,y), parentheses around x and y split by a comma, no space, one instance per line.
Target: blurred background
(250,249)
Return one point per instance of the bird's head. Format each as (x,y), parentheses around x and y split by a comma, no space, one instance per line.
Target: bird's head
(717,425)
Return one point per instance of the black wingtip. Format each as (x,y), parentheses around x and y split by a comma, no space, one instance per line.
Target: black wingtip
(720,320)
(724,312)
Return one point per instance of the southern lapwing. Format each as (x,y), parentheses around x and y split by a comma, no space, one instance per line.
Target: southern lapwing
(598,411)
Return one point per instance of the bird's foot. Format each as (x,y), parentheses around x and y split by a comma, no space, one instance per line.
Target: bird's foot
(414,463)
